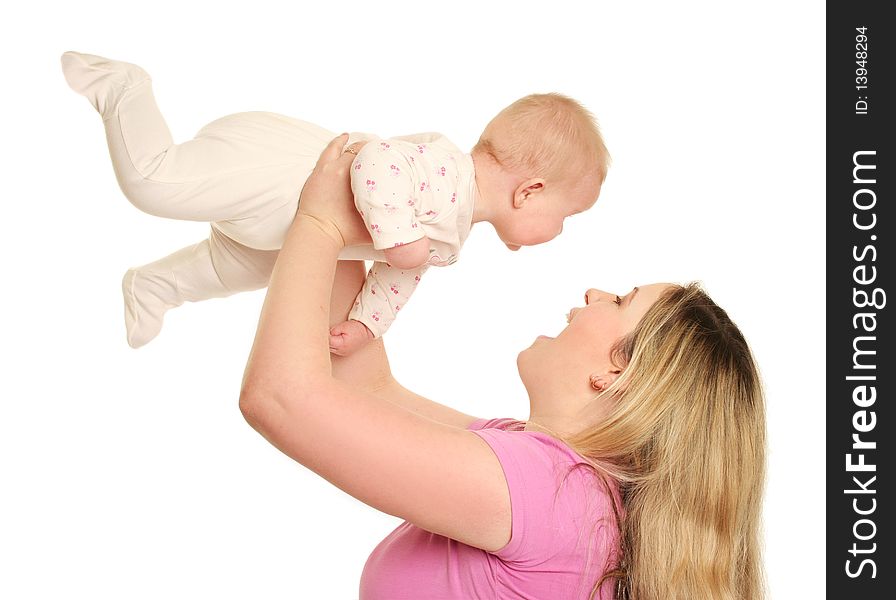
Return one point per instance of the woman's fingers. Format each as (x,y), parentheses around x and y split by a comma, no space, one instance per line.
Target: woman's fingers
(327,194)
(333,150)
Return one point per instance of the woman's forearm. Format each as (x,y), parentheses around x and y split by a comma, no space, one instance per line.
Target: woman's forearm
(290,362)
(368,368)
(292,341)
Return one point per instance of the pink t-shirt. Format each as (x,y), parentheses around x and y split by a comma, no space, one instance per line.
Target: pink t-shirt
(564,533)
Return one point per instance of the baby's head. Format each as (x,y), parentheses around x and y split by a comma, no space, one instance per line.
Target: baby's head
(538,161)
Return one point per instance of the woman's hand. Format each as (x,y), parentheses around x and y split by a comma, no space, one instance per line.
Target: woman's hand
(327,196)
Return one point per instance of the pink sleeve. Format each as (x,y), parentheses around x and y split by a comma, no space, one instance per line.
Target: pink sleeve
(535,466)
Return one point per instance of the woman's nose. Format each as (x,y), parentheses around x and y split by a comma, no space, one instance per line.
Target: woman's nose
(595,294)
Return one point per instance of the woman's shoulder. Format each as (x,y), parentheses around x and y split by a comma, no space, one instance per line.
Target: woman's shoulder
(514,432)
(555,494)
(500,424)
(535,456)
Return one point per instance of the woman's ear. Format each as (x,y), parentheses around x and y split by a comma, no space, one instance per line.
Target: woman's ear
(526,190)
(600,382)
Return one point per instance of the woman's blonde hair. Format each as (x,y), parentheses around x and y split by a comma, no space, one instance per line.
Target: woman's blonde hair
(685,437)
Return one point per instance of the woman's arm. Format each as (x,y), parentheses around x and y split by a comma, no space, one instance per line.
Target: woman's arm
(368,368)
(439,477)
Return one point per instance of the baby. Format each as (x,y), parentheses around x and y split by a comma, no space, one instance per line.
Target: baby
(538,161)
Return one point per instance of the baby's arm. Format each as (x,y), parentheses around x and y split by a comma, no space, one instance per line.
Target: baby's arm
(349,336)
(408,256)
(386,290)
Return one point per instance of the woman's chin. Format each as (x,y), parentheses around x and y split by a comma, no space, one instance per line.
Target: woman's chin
(527,353)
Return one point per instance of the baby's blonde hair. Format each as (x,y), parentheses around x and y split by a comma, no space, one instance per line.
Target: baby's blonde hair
(547,135)
(686,440)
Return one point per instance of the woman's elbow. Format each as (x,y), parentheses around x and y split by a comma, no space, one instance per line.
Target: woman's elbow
(265,407)
(260,399)
(253,404)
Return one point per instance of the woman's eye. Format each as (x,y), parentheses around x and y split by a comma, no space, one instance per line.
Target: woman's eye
(618,301)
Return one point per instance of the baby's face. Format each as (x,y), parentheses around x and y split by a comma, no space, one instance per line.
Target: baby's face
(541,221)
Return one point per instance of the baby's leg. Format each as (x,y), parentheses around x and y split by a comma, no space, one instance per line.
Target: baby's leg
(244,171)
(138,136)
(213,268)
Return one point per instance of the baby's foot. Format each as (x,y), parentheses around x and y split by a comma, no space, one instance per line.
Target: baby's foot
(147,297)
(101,80)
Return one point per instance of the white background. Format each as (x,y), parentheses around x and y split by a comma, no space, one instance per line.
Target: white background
(131,474)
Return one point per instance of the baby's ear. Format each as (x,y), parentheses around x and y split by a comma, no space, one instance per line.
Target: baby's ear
(526,190)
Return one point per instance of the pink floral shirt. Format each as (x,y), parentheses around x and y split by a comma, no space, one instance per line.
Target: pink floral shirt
(406,188)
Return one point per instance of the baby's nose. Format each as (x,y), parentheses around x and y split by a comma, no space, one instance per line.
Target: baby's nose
(513,247)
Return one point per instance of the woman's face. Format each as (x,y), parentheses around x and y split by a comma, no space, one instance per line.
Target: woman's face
(555,367)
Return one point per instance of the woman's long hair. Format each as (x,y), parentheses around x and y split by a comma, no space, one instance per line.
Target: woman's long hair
(685,437)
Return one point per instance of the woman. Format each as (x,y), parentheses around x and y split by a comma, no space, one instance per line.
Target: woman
(638,475)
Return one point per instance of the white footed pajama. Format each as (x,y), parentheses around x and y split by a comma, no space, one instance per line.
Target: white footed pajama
(243,174)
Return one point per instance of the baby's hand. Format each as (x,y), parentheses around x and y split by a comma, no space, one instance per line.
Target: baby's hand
(348,336)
